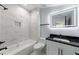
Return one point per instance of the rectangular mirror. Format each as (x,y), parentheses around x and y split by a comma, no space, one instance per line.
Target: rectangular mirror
(65,18)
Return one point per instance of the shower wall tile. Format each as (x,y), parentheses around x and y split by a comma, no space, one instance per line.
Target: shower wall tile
(9,31)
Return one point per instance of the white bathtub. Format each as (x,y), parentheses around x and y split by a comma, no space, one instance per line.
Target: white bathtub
(22,48)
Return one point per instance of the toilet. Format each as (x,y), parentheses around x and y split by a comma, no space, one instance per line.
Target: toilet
(37,48)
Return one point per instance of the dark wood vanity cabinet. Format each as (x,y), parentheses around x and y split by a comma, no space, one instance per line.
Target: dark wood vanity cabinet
(55,48)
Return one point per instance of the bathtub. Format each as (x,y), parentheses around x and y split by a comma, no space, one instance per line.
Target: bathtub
(22,48)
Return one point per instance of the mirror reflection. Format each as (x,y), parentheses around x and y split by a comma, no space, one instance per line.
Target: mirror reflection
(65,19)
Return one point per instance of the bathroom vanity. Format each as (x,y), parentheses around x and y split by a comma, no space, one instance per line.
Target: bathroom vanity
(62,45)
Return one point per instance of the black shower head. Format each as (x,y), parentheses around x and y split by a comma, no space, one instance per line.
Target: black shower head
(3,7)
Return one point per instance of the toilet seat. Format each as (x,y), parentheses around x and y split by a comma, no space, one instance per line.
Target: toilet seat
(38,45)
(37,48)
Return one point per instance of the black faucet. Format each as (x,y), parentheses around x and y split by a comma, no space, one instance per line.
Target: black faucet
(3,48)
(2,42)
(60,36)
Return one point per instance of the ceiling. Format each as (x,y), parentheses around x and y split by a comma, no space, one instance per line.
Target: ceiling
(33,6)
(30,7)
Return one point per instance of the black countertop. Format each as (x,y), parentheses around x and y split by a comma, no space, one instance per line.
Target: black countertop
(74,41)
(71,43)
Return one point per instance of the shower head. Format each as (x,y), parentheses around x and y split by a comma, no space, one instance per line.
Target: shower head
(3,7)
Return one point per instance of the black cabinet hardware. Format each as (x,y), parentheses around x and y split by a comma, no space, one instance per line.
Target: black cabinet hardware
(59,51)
(76,53)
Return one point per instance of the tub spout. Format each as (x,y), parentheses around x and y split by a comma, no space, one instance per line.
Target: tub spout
(2,42)
(3,48)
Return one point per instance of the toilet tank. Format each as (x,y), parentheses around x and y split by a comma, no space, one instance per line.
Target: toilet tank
(42,40)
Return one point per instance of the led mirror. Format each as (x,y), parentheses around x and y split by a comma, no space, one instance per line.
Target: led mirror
(65,18)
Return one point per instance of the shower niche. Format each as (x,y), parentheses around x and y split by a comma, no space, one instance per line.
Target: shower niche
(64,18)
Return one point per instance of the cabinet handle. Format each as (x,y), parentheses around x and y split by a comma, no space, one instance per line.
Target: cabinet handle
(76,53)
(59,51)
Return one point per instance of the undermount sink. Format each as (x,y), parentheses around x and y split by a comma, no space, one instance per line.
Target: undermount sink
(62,40)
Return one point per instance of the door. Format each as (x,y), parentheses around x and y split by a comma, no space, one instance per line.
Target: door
(76,52)
(53,48)
(67,49)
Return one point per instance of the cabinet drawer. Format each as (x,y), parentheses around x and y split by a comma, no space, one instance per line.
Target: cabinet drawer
(67,49)
(52,48)
(55,48)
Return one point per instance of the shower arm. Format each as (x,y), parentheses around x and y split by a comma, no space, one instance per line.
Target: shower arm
(3,7)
